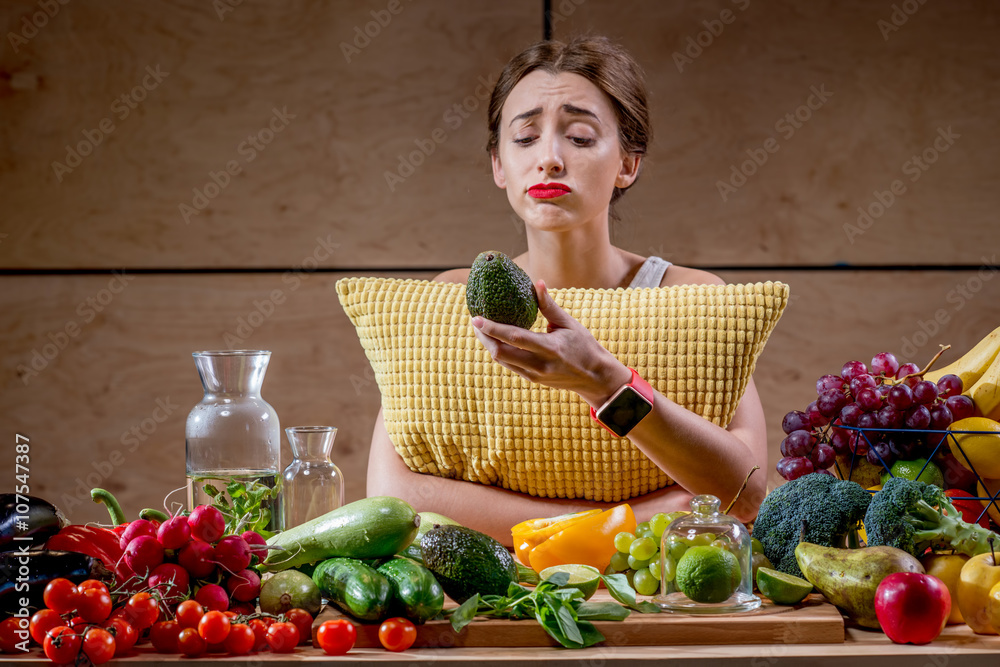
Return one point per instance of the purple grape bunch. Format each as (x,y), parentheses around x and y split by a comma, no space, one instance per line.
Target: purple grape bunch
(870,397)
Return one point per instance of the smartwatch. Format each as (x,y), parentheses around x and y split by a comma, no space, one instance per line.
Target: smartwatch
(626,407)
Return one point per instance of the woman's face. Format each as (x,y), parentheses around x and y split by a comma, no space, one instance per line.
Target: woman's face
(560,130)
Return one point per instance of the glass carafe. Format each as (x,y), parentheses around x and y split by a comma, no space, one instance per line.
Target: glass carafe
(232,436)
(723,546)
(312,484)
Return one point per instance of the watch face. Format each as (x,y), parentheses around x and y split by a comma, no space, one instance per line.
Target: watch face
(625,411)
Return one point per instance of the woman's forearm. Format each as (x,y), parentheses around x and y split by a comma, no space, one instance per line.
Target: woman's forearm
(699,455)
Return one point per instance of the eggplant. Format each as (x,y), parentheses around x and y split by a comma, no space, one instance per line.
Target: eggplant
(24,574)
(27,517)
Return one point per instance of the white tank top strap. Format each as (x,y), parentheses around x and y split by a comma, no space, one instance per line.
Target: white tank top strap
(651,273)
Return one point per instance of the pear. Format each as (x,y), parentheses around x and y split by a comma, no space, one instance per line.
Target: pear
(848,577)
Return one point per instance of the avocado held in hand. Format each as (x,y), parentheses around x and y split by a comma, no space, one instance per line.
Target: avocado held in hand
(499,290)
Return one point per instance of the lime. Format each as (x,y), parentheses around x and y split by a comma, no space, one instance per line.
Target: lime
(758,561)
(755,546)
(708,574)
(782,588)
(582,577)
(910,469)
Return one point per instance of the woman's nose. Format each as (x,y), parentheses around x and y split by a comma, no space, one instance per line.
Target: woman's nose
(550,160)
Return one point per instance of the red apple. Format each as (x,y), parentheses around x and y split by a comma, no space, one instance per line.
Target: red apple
(912,608)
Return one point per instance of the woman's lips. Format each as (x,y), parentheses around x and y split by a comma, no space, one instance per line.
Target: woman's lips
(548,190)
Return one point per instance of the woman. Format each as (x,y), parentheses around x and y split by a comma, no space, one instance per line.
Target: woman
(568,128)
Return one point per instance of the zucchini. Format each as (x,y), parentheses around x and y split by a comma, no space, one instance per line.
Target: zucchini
(375,527)
(354,588)
(417,594)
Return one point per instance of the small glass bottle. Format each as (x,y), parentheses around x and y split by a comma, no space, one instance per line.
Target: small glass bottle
(312,484)
(705,526)
(232,435)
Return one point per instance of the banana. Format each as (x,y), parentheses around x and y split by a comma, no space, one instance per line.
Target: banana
(973,364)
(986,392)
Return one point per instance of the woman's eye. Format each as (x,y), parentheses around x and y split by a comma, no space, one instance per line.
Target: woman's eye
(524,140)
(581,141)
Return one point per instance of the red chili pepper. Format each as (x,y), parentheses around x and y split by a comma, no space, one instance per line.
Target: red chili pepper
(96,542)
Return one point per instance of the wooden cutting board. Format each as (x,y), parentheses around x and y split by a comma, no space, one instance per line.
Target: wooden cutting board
(814,621)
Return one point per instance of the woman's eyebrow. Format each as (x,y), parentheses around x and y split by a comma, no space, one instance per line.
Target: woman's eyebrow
(568,108)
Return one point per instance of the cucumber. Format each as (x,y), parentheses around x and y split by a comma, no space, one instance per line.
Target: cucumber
(375,527)
(354,588)
(417,594)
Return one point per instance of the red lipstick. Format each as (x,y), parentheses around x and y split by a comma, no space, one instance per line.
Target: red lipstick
(548,190)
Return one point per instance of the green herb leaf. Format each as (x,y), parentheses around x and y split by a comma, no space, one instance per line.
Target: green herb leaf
(566,619)
(602,611)
(462,616)
(647,607)
(591,635)
(619,588)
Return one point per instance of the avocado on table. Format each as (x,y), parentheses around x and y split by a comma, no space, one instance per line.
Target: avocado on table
(499,290)
(466,562)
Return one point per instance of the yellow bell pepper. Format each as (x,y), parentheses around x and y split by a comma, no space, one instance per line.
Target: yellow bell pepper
(529,534)
(589,540)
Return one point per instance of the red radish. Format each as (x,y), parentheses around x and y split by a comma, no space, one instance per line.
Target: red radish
(207,523)
(232,553)
(212,597)
(174,533)
(243,586)
(143,554)
(198,558)
(171,580)
(252,537)
(134,530)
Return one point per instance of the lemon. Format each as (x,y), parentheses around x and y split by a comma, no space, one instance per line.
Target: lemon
(782,588)
(581,577)
(982,450)
(910,469)
(708,574)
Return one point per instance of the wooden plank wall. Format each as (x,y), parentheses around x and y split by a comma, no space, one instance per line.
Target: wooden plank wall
(90,355)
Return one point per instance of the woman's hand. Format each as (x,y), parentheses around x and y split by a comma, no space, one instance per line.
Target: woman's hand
(567,357)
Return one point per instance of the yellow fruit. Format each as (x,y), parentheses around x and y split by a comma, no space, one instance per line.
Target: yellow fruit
(866,474)
(947,568)
(981,450)
(978,578)
(991,488)
(971,366)
(995,606)
(862,533)
(986,392)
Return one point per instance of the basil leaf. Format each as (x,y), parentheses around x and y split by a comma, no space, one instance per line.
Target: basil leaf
(462,616)
(602,611)
(591,635)
(515,590)
(647,607)
(567,621)
(558,580)
(619,588)
(550,623)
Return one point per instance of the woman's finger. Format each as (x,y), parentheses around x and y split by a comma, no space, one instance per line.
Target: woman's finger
(503,353)
(508,333)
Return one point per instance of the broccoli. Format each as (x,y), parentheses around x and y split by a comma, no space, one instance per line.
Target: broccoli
(913,516)
(829,507)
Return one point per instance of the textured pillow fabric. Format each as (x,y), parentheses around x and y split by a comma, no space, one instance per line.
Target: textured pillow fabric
(451,410)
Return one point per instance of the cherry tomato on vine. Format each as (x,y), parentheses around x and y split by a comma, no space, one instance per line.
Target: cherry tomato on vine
(189,613)
(336,637)
(9,637)
(240,639)
(61,595)
(142,610)
(62,645)
(397,634)
(214,627)
(163,636)
(42,621)
(282,637)
(124,634)
(303,622)
(92,583)
(98,645)
(95,604)
(190,643)
(259,628)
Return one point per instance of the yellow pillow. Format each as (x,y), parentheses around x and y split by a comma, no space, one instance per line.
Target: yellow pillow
(452,411)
